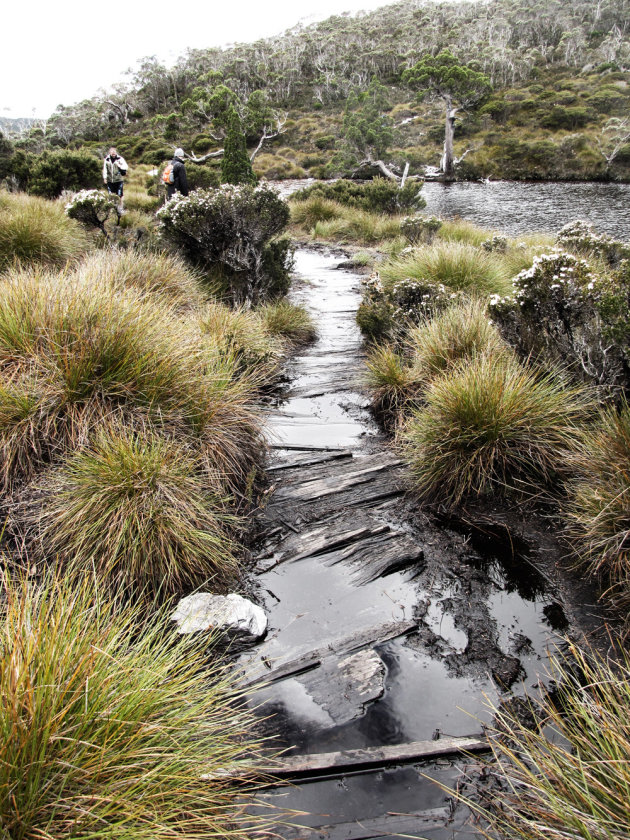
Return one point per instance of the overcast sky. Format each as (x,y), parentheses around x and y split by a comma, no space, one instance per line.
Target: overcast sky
(61,52)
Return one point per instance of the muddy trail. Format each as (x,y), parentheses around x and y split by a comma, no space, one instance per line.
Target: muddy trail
(389,633)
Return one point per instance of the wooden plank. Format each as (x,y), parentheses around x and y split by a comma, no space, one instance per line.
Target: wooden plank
(365,829)
(337,763)
(317,542)
(377,634)
(313,489)
(306,459)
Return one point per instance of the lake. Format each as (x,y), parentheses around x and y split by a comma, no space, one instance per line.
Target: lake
(516,207)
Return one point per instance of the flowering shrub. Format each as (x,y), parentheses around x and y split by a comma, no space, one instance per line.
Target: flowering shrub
(581,237)
(497,243)
(555,311)
(92,208)
(418,229)
(384,311)
(228,232)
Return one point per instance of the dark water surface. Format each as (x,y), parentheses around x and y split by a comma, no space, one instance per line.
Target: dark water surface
(516,207)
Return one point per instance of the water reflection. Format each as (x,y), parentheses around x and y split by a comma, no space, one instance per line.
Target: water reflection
(516,207)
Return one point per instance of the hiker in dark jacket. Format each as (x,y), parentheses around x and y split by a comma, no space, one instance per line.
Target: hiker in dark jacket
(180,182)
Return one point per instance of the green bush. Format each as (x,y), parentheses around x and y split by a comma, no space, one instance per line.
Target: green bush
(379,195)
(112,727)
(491,425)
(228,232)
(92,208)
(50,173)
(202,177)
(36,231)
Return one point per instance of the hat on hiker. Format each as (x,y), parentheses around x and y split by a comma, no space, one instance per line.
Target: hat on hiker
(179,153)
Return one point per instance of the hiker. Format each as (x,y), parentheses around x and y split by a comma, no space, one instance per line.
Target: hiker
(179,182)
(114,169)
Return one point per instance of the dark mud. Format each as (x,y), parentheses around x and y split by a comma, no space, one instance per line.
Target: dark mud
(387,626)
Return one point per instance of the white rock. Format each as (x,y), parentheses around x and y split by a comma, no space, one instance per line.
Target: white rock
(203,611)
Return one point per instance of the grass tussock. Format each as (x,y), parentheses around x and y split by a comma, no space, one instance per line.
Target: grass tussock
(240,334)
(140,512)
(288,321)
(389,380)
(491,424)
(569,777)
(34,231)
(306,214)
(462,331)
(458,266)
(77,351)
(161,274)
(108,724)
(598,509)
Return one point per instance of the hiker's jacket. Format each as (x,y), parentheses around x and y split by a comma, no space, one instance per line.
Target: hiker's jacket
(113,170)
(180,181)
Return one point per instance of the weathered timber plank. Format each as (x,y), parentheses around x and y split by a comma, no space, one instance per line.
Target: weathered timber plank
(332,472)
(337,763)
(317,542)
(392,825)
(347,644)
(318,488)
(306,459)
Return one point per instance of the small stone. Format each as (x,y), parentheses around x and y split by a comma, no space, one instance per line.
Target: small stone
(204,611)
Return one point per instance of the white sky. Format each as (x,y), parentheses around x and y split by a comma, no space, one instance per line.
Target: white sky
(62,52)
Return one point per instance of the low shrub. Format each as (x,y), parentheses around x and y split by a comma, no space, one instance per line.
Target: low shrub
(418,229)
(457,266)
(378,196)
(228,232)
(288,321)
(581,237)
(598,507)
(555,311)
(36,231)
(137,510)
(308,212)
(92,208)
(113,727)
(568,775)
(491,425)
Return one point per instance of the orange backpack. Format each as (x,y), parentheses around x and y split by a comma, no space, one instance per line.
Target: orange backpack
(168,176)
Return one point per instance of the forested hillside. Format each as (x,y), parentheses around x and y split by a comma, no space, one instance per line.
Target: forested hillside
(557,107)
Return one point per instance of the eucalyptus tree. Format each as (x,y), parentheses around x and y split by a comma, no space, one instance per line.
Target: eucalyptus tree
(457,85)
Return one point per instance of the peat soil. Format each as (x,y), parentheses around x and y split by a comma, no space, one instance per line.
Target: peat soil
(388,628)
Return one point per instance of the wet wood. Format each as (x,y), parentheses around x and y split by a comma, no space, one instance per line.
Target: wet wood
(308,459)
(338,763)
(393,825)
(317,488)
(355,641)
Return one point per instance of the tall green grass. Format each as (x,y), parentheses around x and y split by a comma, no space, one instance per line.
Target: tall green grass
(77,351)
(490,424)
(569,776)
(598,508)
(462,331)
(34,231)
(389,380)
(110,727)
(161,274)
(288,321)
(459,266)
(140,512)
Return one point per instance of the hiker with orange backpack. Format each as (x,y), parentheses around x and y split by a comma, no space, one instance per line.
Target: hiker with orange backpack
(174,175)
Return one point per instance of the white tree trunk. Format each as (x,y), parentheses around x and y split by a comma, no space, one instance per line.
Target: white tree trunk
(449,130)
